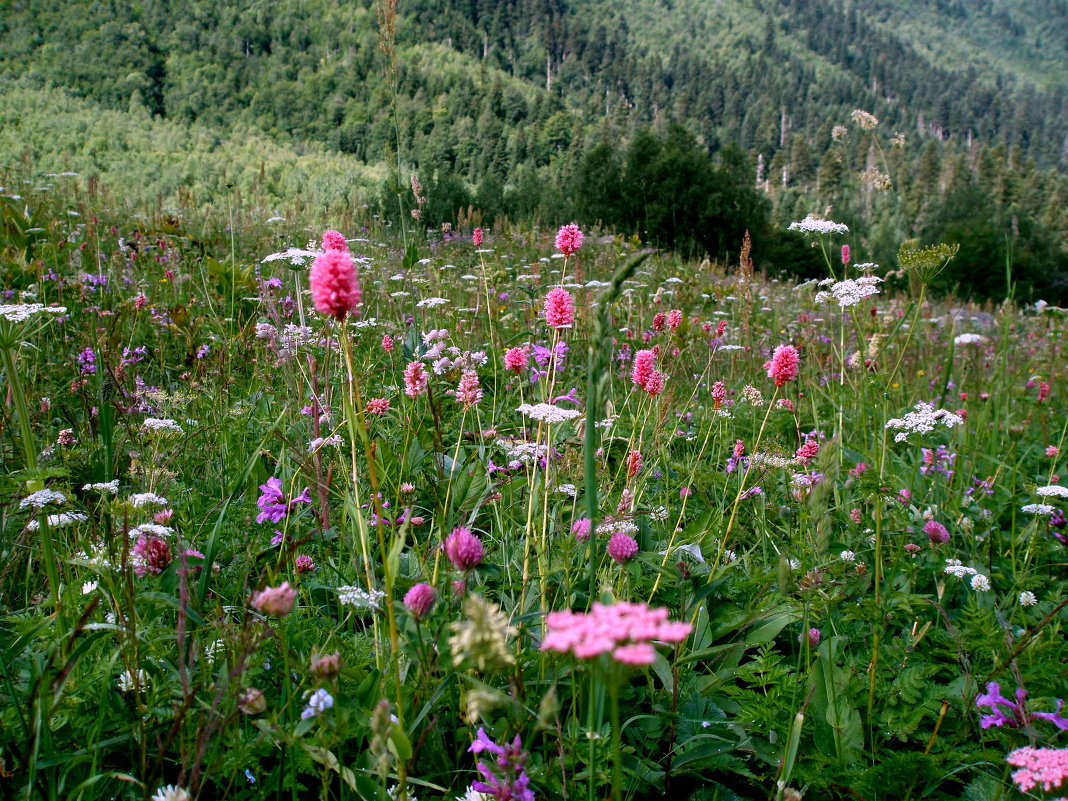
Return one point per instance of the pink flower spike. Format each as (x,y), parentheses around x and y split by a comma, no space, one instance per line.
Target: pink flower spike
(783,365)
(334,287)
(476,238)
(335,240)
(559,308)
(415,379)
(569,239)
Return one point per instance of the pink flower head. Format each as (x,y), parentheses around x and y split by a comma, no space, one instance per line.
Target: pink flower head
(655,385)
(334,287)
(275,601)
(808,451)
(624,630)
(151,555)
(1047,767)
(335,240)
(814,637)
(674,319)
(559,308)
(783,365)
(476,238)
(1043,391)
(634,463)
(845,255)
(659,320)
(420,598)
(1052,452)
(464,549)
(721,329)
(387,343)
(569,239)
(622,547)
(304,564)
(644,367)
(415,379)
(468,391)
(719,395)
(517,359)
(378,406)
(912,548)
(581,529)
(936,532)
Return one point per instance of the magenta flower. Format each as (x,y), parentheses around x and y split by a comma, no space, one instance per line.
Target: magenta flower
(622,547)
(808,451)
(334,287)
(569,239)
(419,600)
(643,369)
(275,601)
(719,395)
(559,308)
(783,365)
(504,778)
(936,532)
(1020,716)
(464,549)
(624,630)
(151,555)
(814,636)
(581,529)
(272,502)
(845,255)
(476,238)
(304,564)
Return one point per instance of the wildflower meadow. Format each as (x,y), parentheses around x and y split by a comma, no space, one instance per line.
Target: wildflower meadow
(324,508)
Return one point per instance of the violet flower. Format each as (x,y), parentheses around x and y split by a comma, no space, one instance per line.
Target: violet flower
(272,502)
(1020,716)
(506,780)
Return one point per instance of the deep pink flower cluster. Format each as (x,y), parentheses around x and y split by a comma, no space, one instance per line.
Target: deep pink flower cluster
(808,451)
(1039,766)
(517,359)
(581,529)
(936,533)
(624,630)
(334,287)
(151,555)
(622,547)
(783,365)
(643,369)
(559,308)
(476,238)
(674,319)
(719,395)
(276,601)
(419,600)
(464,549)
(568,239)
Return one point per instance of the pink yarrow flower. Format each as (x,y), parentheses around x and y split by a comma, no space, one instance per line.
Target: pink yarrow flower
(627,631)
(1047,767)
(783,365)
(334,287)
(559,308)
(569,239)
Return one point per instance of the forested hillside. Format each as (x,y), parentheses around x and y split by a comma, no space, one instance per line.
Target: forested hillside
(553,109)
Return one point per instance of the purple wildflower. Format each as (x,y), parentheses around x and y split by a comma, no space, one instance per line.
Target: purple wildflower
(505,780)
(1020,716)
(272,502)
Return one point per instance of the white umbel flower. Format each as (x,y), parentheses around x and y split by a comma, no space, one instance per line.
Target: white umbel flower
(816,225)
(924,418)
(1053,491)
(43,498)
(547,413)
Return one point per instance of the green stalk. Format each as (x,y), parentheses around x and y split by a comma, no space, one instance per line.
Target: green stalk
(617,735)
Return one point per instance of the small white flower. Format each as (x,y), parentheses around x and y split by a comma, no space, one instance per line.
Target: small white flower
(980,583)
(1053,491)
(1028,598)
(294,256)
(566,489)
(59,521)
(815,225)
(21,312)
(1043,509)
(170,792)
(161,425)
(548,413)
(360,598)
(430,303)
(969,339)
(140,499)
(107,487)
(88,587)
(130,681)
(42,498)
(318,702)
(923,419)
(847,556)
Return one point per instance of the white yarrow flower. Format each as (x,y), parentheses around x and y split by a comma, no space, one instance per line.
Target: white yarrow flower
(969,339)
(21,312)
(43,498)
(1053,491)
(923,419)
(161,425)
(1043,509)
(548,413)
(360,598)
(140,499)
(816,225)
